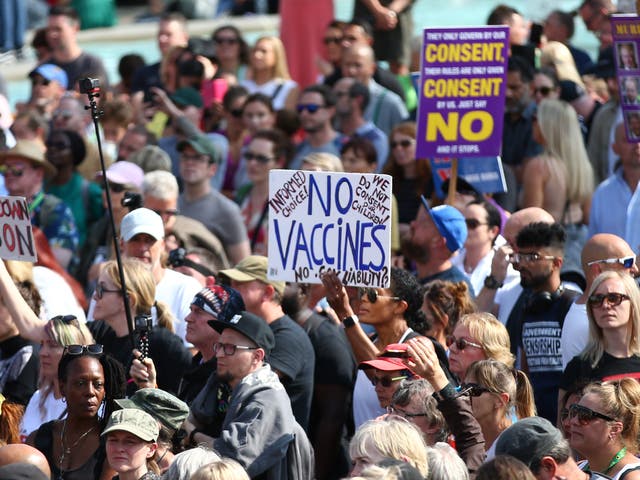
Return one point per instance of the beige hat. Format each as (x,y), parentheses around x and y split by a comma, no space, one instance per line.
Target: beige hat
(134,421)
(254,267)
(31,151)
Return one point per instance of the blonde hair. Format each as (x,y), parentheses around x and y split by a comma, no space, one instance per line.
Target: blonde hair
(499,378)
(326,162)
(491,334)
(557,56)
(620,399)
(560,128)
(392,438)
(595,348)
(280,69)
(223,469)
(141,288)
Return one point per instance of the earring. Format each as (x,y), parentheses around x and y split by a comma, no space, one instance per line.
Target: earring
(64,400)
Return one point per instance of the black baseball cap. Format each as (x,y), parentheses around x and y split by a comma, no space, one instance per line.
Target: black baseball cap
(251,326)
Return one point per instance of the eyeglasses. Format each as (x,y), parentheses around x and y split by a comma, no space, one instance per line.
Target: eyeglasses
(586,415)
(95,349)
(392,409)
(225,40)
(473,223)
(473,389)
(373,295)
(386,381)
(116,187)
(100,291)
(248,156)
(167,213)
(236,112)
(229,348)
(613,299)
(461,343)
(401,143)
(517,257)
(626,262)
(330,40)
(309,107)
(544,91)
(13,171)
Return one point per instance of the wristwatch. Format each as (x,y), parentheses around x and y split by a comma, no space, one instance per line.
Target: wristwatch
(491,283)
(350,321)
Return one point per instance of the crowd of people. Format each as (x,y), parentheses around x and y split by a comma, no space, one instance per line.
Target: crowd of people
(148,340)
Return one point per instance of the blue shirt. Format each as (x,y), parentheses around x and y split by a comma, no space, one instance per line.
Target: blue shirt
(609,207)
(379,140)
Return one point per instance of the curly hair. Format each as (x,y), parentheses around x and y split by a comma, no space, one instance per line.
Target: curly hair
(448,299)
(405,286)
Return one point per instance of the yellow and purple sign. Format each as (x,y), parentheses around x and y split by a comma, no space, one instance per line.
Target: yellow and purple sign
(462,90)
(626,45)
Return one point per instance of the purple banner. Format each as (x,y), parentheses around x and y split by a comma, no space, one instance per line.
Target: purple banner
(626,40)
(463,84)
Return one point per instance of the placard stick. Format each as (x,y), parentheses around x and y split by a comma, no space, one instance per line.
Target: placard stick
(453,181)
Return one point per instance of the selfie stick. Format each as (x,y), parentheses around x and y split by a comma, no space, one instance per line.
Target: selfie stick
(91,87)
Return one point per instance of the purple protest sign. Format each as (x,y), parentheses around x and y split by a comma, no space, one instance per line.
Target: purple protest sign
(626,39)
(463,84)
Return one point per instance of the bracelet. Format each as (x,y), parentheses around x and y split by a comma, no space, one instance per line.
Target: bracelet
(190,438)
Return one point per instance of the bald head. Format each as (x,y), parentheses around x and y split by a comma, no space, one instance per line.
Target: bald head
(520,219)
(604,246)
(22,453)
(358,61)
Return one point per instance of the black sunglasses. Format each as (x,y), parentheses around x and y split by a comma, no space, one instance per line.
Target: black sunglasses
(473,223)
(544,91)
(401,143)
(386,381)
(116,187)
(236,112)
(373,295)
(100,291)
(66,319)
(309,107)
(461,343)
(401,413)
(473,389)
(330,40)
(248,156)
(13,171)
(223,40)
(95,349)
(612,298)
(586,415)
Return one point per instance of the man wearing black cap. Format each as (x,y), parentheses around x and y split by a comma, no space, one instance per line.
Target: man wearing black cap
(259,429)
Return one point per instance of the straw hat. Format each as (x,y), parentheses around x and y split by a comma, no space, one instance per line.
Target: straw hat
(31,151)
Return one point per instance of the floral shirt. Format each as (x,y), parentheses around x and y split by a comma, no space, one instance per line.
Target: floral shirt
(55,219)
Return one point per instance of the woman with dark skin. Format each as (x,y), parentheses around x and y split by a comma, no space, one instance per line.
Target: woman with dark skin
(72,446)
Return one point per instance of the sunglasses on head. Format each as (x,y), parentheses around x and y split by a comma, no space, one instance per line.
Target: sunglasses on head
(100,291)
(626,262)
(473,389)
(309,107)
(401,143)
(373,295)
(248,156)
(473,223)
(586,415)
(95,349)
(66,319)
(612,298)
(461,343)
(330,40)
(386,381)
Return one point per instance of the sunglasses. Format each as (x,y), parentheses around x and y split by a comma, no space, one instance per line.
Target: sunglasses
(229,348)
(473,389)
(392,409)
(373,295)
(40,81)
(613,299)
(461,343)
(528,257)
(544,91)
(248,156)
(225,40)
(95,349)
(309,107)
(66,319)
(473,223)
(626,262)
(564,414)
(586,415)
(386,381)
(236,112)
(13,171)
(100,291)
(401,143)
(330,40)
(116,187)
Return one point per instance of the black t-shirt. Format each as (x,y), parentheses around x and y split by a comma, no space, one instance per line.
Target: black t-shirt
(19,368)
(609,367)
(194,379)
(167,351)
(294,359)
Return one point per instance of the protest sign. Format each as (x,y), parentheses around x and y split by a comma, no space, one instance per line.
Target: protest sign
(16,234)
(485,174)
(322,220)
(626,41)
(463,85)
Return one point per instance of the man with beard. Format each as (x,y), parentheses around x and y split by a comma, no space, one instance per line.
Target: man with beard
(316,108)
(436,234)
(517,139)
(535,323)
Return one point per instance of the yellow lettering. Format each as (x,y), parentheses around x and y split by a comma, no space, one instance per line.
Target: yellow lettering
(467,121)
(464,52)
(621,29)
(461,87)
(437,124)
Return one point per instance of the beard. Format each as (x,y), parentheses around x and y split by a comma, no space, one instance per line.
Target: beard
(517,105)
(415,251)
(535,281)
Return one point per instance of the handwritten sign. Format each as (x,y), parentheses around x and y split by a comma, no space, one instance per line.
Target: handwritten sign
(463,85)
(626,48)
(16,234)
(322,220)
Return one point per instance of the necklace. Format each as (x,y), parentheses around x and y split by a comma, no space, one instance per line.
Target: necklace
(66,450)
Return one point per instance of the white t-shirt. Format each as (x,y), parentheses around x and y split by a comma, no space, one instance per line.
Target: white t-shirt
(366,405)
(57,296)
(575,332)
(269,89)
(482,270)
(53,409)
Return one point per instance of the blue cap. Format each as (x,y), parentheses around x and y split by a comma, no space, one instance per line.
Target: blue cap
(450,223)
(51,72)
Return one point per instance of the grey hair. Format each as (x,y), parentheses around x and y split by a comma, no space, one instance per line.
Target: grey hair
(186,463)
(423,390)
(160,184)
(560,452)
(445,463)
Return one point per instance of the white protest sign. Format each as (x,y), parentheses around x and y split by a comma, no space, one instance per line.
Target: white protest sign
(16,234)
(322,221)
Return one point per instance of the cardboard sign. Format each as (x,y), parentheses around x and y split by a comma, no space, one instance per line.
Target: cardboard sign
(16,234)
(626,47)
(463,85)
(322,220)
